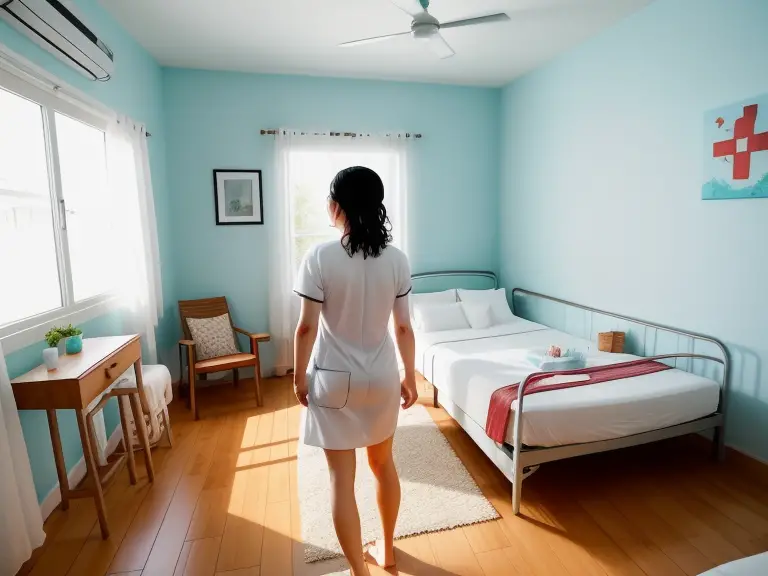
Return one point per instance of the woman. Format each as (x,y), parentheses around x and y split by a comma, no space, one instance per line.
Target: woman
(349,289)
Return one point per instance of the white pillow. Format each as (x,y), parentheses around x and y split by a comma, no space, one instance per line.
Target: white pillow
(496,299)
(431,298)
(478,314)
(440,317)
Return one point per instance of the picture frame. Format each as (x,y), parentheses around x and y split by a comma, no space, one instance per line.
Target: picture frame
(736,151)
(238,197)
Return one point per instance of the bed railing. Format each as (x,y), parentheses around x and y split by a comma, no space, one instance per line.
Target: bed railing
(644,338)
(456,274)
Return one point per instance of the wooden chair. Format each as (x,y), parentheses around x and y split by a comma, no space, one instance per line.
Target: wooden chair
(210,308)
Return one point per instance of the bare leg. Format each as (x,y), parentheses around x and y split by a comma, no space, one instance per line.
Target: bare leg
(388,498)
(346,518)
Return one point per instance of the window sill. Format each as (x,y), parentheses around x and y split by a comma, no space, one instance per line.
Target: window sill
(29,331)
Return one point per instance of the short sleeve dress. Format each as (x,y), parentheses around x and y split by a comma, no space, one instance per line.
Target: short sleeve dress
(353,380)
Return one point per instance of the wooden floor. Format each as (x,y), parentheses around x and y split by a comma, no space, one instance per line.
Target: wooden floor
(224,502)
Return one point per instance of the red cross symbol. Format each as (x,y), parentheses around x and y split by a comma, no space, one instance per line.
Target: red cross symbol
(743,143)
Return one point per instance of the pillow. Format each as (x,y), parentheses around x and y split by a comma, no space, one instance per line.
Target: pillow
(496,299)
(440,317)
(478,314)
(431,298)
(213,337)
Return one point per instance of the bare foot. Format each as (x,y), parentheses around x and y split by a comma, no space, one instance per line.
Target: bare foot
(379,556)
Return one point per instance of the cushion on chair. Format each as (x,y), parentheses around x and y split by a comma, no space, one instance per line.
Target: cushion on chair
(225,363)
(213,336)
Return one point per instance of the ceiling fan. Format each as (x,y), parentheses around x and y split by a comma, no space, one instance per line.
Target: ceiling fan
(426,29)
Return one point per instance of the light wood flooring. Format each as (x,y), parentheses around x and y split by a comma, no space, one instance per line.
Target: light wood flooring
(224,503)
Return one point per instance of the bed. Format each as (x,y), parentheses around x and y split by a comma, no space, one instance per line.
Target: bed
(750,566)
(466,366)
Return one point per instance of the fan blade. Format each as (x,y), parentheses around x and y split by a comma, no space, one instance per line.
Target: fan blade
(372,40)
(501,17)
(439,46)
(411,7)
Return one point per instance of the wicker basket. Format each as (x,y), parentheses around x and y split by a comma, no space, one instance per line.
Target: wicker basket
(611,342)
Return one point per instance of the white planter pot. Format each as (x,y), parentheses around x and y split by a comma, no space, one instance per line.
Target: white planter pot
(51,358)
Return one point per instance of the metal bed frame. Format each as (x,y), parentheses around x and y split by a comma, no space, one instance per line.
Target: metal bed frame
(526,460)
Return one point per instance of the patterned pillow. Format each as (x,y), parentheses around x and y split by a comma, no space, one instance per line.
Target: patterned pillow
(213,336)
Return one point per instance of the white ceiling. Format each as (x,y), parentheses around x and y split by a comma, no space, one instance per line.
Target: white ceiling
(301,36)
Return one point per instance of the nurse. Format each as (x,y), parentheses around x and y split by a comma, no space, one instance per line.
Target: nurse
(346,371)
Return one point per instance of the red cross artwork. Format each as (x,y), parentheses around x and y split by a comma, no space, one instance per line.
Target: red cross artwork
(743,144)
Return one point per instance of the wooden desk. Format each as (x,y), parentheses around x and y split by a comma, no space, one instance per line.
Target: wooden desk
(80,379)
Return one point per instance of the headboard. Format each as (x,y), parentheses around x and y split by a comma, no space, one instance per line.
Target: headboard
(447,279)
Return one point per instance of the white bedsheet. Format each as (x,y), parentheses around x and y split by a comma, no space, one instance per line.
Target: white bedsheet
(469,365)
(751,566)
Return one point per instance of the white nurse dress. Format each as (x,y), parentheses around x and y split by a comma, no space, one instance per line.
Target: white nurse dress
(353,380)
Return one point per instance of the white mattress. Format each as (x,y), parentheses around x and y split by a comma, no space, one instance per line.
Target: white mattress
(469,365)
(751,566)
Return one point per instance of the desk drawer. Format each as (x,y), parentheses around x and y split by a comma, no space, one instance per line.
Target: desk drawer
(108,370)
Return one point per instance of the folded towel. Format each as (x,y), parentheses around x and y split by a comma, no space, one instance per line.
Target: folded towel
(563,363)
(572,360)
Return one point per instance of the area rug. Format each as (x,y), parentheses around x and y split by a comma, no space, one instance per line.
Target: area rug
(437,491)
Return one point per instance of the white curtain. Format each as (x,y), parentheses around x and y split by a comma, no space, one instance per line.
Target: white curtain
(21,525)
(305,164)
(137,255)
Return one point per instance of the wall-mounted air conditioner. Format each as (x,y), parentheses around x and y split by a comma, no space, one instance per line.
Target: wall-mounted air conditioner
(55,25)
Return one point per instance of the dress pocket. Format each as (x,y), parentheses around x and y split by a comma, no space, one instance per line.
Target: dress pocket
(330,388)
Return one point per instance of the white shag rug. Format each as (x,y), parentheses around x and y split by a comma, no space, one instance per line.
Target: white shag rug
(437,491)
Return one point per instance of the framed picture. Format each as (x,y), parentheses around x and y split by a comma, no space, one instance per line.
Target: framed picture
(238,198)
(736,151)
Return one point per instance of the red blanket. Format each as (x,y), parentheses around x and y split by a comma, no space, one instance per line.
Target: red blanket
(501,400)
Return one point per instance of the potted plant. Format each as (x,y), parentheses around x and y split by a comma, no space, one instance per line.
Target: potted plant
(73,339)
(51,354)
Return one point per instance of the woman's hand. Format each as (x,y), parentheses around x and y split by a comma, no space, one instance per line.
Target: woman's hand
(408,392)
(300,389)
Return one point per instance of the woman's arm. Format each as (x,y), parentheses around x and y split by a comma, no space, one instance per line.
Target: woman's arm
(406,343)
(306,333)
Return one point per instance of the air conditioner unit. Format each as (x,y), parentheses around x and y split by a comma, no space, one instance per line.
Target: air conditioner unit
(54,25)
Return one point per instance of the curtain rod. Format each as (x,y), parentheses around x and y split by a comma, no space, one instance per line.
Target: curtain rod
(272,131)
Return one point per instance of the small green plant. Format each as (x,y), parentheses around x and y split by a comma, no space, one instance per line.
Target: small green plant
(69,331)
(53,337)
(57,333)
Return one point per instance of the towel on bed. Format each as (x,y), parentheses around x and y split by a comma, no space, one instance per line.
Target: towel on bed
(541,359)
(502,399)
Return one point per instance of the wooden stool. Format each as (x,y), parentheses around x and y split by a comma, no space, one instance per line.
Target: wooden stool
(139,407)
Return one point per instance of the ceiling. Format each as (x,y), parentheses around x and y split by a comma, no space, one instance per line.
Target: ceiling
(301,36)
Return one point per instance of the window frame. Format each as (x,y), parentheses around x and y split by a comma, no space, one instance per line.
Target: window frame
(341,148)
(27,331)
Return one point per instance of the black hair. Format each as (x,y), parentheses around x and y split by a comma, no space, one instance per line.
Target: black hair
(359,192)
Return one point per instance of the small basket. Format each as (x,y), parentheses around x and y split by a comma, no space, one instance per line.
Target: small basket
(611,342)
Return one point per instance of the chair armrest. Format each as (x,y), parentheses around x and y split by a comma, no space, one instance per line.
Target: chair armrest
(259,337)
(190,346)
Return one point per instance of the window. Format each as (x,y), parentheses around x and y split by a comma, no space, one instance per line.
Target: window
(54,207)
(310,175)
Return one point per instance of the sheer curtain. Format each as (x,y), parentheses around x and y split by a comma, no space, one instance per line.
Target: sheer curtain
(135,239)
(130,181)
(305,164)
(21,525)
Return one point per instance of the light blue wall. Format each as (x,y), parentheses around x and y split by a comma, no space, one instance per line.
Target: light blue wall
(601,184)
(136,90)
(213,121)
